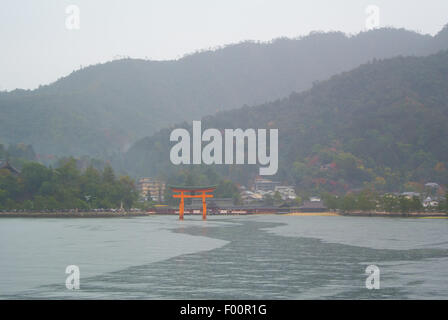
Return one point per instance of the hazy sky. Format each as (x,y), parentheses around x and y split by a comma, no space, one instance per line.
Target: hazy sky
(37,47)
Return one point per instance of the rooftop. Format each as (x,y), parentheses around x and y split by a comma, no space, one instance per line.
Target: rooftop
(312,205)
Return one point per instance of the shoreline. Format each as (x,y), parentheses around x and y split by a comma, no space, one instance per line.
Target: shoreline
(91,214)
(312,214)
(88,214)
(396,214)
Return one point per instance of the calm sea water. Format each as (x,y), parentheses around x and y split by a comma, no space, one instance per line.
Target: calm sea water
(233,257)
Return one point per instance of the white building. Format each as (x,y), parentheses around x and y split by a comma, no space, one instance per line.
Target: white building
(151,189)
(430,203)
(250,197)
(286,192)
(262,184)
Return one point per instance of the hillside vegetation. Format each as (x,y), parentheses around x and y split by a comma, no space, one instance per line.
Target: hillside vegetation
(102,109)
(382,125)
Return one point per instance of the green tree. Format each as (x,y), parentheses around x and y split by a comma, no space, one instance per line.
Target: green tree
(277,198)
(348,203)
(331,201)
(34,175)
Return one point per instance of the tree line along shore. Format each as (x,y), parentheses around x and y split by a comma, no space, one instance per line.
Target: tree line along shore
(68,190)
(139,213)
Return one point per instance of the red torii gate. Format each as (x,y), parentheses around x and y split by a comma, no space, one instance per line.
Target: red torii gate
(203,194)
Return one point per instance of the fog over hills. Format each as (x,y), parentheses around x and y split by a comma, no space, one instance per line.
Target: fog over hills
(382,124)
(104,108)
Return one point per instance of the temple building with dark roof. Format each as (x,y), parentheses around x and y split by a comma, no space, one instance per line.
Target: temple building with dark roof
(313,206)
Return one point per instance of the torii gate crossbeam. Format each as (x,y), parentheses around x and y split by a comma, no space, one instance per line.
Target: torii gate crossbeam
(202,194)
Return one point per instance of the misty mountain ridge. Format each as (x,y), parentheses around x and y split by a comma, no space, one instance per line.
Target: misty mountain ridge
(381,125)
(102,109)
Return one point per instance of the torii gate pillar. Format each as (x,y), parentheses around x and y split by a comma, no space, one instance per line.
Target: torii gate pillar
(203,194)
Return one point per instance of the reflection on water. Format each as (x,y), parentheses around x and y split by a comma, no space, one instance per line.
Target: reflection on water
(250,257)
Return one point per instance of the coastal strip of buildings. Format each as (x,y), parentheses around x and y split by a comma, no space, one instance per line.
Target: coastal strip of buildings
(253,200)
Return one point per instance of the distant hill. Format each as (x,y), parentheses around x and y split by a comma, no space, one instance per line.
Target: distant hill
(104,108)
(383,125)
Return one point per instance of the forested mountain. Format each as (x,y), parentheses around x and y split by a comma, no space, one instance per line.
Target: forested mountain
(17,154)
(383,125)
(103,108)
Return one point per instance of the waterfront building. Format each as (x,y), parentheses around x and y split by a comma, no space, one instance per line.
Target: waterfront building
(313,205)
(430,202)
(262,184)
(213,203)
(286,192)
(248,197)
(151,189)
(410,195)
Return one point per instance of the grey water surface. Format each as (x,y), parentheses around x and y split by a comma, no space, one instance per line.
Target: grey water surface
(232,257)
